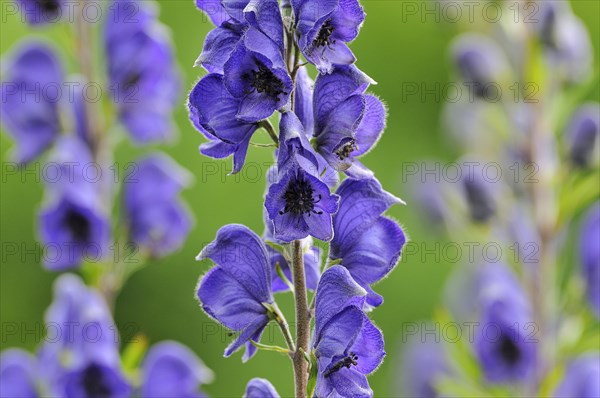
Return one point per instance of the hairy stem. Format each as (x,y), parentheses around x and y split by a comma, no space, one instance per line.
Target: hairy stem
(302,320)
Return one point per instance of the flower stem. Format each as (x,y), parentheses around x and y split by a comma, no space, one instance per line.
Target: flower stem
(302,320)
(266,124)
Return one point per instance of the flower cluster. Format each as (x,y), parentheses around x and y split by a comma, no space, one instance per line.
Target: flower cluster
(97,217)
(544,172)
(257,60)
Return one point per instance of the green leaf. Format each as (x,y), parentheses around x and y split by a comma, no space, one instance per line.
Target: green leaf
(134,352)
(267,347)
(312,376)
(284,278)
(276,246)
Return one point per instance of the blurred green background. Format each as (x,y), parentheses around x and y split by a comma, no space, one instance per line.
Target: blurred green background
(394,47)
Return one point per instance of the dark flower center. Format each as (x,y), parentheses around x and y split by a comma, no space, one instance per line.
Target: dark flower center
(324,36)
(583,147)
(345,362)
(481,206)
(49,6)
(78,225)
(345,151)
(509,350)
(131,79)
(94,383)
(264,81)
(299,198)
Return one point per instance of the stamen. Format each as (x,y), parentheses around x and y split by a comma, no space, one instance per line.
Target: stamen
(264,80)
(299,197)
(346,150)
(346,362)
(324,37)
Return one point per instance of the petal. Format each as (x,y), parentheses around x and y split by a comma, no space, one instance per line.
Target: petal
(351,383)
(334,88)
(338,335)
(215,11)
(319,225)
(260,388)
(358,171)
(371,126)
(369,347)
(362,203)
(325,58)
(251,330)
(256,106)
(218,46)
(347,20)
(336,291)
(242,255)
(228,301)
(265,16)
(17,372)
(304,100)
(376,251)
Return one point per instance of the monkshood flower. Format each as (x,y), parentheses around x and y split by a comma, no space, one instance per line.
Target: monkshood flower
(219,44)
(84,360)
(503,344)
(347,122)
(299,204)
(237,291)
(40,12)
(30,95)
(583,134)
(142,71)
(260,388)
(173,370)
(565,39)
(324,28)
(73,223)
(212,111)
(312,261)
(581,378)
(158,220)
(424,363)
(346,344)
(255,71)
(480,62)
(17,374)
(589,252)
(478,191)
(367,243)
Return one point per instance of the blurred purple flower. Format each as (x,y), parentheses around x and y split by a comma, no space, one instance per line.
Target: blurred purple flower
(324,28)
(346,344)
(237,291)
(299,204)
(173,370)
(583,135)
(141,67)
(30,96)
(213,110)
(17,374)
(423,364)
(581,378)
(260,388)
(41,12)
(158,219)
(348,123)
(504,345)
(479,192)
(367,243)
(73,223)
(589,252)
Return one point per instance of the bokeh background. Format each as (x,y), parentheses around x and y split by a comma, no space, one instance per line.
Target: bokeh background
(395,48)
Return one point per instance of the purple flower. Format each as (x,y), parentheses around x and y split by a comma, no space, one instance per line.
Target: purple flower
(480,63)
(173,370)
(237,291)
(348,123)
(17,374)
(346,344)
(218,46)
(158,219)
(299,204)
(479,192)
(582,135)
(87,337)
(312,261)
(213,111)
(30,94)
(423,364)
(504,345)
(41,12)
(260,388)
(581,378)
(255,71)
(324,28)
(74,225)
(142,71)
(589,252)
(367,243)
